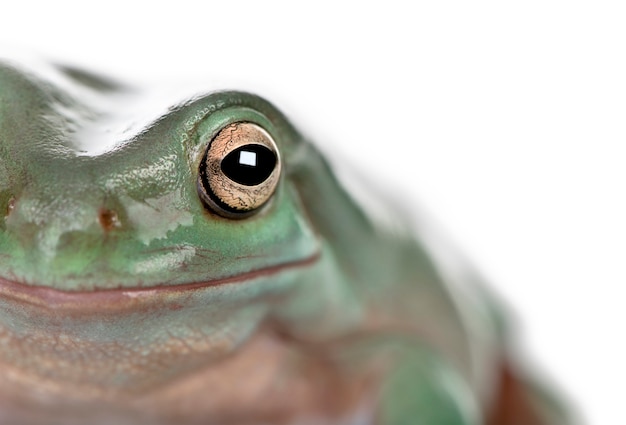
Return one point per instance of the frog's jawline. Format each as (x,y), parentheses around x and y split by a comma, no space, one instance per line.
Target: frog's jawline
(123,298)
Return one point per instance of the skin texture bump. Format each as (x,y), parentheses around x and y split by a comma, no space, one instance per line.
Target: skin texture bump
(140,285)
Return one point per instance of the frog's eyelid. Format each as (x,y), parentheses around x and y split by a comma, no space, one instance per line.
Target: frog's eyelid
(239,171)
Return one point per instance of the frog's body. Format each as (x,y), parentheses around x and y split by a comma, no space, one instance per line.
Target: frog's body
(125,298)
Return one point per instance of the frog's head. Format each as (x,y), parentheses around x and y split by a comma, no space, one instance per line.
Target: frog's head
(199,195)
(128,238)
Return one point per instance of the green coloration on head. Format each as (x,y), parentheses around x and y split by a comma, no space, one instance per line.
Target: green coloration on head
(158,230)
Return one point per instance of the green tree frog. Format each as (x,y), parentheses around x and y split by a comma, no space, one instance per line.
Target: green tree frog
(198,262)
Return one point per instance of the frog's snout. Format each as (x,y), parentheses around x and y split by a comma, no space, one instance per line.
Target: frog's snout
(69,223)
(59,239)
(108,218)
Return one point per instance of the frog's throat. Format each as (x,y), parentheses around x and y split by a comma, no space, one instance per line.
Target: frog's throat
(124,298)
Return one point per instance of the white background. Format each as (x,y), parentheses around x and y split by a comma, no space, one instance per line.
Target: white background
(506,123)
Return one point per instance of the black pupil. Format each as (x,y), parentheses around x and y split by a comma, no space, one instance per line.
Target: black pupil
(249,164)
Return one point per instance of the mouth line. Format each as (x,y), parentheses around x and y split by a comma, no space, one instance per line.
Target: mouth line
(122,298)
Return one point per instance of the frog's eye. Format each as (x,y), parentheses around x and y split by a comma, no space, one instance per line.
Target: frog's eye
(239,171)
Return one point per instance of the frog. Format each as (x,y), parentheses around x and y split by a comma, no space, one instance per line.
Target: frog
(198,260)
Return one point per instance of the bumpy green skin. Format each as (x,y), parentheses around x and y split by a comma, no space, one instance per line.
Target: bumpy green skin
(312,264)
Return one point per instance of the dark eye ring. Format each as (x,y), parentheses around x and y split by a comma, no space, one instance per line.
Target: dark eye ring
(239,171)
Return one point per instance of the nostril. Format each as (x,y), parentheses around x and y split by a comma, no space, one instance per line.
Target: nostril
(10,206)
(108,219)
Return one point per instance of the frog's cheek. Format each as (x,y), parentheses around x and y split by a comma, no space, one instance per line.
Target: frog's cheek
(147,270)
(151,242)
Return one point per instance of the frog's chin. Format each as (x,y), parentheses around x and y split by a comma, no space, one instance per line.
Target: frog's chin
(131,297)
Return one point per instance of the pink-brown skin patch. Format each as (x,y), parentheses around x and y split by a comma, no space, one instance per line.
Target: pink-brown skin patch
(266,381)
(272,378)
(48,372)
(513,407)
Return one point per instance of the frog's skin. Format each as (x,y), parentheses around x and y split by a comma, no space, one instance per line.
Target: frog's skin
(125,299)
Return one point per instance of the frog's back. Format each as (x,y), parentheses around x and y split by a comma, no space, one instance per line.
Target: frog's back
(421,303)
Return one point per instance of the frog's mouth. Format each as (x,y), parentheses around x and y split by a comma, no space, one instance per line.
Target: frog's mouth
(116,299)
